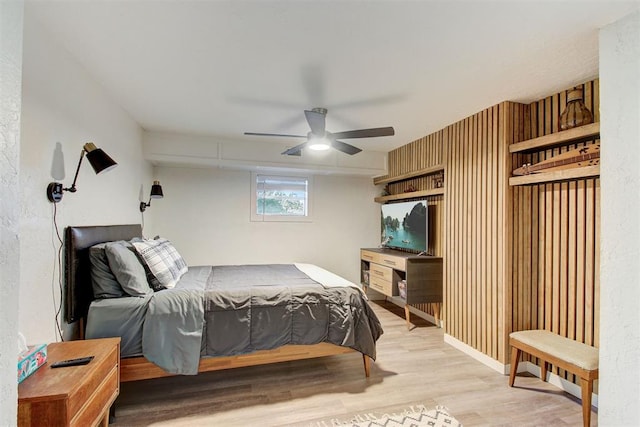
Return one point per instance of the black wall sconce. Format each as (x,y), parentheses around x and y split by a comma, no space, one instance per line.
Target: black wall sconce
(100,161)
(156,193)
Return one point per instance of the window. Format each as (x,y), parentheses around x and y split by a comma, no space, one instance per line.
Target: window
(280,198)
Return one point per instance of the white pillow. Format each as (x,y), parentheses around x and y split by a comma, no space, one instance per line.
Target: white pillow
(163,263)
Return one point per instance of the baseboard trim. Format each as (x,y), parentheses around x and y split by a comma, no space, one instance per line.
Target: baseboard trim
(478,355)
(504,369)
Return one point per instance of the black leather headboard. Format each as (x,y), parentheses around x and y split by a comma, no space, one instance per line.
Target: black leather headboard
(77,241)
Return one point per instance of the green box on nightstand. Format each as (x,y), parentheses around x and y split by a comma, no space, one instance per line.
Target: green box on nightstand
(30,360)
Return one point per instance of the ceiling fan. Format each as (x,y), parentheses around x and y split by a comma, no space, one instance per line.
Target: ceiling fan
(321,139)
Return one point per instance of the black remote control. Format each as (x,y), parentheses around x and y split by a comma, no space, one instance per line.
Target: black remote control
(72,362)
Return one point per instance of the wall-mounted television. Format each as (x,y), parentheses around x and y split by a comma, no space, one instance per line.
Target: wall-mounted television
(405,226)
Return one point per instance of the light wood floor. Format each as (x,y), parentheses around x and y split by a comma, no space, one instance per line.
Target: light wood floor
(413,368)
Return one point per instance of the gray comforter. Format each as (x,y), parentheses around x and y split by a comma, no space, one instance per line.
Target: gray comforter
(228,310)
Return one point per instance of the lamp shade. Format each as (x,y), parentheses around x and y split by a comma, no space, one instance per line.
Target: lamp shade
(100,161)
(156,190)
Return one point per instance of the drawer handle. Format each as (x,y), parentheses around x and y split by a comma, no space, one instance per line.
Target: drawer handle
(367,256)
(387,261)
(379,273)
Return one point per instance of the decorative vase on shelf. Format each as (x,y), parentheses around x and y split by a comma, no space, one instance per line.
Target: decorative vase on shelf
(575,113)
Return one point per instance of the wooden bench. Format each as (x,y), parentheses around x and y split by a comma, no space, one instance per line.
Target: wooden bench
(572,356)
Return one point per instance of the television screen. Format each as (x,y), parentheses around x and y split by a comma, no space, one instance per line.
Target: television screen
(404,226)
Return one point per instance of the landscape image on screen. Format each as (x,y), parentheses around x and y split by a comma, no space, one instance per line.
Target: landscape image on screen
(404,226)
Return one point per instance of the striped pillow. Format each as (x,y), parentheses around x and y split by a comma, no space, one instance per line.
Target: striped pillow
(162,262)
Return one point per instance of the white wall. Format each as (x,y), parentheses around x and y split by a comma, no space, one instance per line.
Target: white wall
(63,104)
(11,21)
(205,213)
(619,387)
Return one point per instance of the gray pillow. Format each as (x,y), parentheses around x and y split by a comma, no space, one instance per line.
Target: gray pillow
(127,269)
(105,284)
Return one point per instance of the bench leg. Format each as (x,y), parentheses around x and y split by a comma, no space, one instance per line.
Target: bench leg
(587,389)
(515,357)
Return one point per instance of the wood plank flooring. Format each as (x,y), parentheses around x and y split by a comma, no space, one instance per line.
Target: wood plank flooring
(413,368)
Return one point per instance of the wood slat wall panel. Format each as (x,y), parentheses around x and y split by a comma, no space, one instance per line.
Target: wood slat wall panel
(515,130)
(556,284)
(477,304)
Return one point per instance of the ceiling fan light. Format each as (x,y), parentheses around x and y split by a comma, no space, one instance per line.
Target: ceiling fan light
(318,143)
(319,146)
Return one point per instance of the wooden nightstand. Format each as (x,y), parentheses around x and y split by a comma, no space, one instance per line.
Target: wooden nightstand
(74,395)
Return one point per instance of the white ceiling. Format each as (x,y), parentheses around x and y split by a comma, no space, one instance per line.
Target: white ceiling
(220,68)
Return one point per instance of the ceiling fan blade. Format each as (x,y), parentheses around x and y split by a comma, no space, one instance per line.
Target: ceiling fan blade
(345,148)
(365,133)
(275,134)
(316,120)
(295,151)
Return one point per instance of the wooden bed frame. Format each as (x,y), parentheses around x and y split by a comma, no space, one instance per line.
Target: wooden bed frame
(79,294)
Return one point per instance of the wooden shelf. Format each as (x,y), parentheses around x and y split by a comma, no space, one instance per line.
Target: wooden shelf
(422,172)
(563,137)
(537,178)
(411,195)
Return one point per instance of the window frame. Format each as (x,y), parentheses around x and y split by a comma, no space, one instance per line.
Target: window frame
(256,217)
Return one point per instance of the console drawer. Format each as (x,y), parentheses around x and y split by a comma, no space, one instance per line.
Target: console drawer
(396,262)
(381,279)
(381,285)
(368,256)
(381,272)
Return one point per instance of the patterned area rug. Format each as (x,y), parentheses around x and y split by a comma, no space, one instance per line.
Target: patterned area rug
(414,416)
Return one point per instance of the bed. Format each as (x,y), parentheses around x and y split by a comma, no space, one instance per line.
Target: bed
(217,317)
